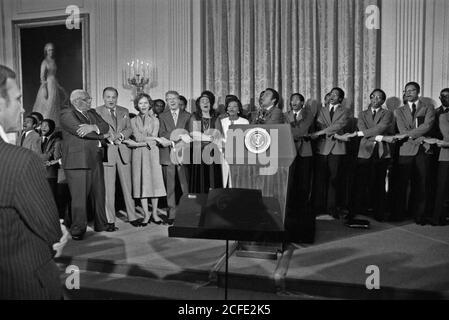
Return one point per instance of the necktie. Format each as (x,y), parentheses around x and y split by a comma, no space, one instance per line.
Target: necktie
(175,117)
(374,114)
(23,138)
(114,118)
(85,114)
(44,143)
(413,110)
(332,112)
(296,116)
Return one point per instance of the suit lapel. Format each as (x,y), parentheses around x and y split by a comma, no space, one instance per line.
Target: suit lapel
(80,117)
(337,113)
(368,118)
(327,116)
(407,114)
(108,118)
(181,122)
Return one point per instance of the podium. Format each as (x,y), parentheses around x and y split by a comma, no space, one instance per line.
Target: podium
(250,153)
(229,214)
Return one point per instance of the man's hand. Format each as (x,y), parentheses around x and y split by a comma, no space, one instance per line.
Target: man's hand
(345,137)
(59,246)
(85,129)
(431,140)
(316,135)
(442,144)
(401,136)
(389,139)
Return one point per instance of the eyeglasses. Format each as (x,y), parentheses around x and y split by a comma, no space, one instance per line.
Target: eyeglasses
(410,91)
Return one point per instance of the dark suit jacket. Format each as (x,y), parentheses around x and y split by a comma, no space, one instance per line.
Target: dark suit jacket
(166,127)
(119,152)
(326,144)
(52,150)
(301,128)
(272,116)
(436,132)
(29,226)
(80,153)
(425,115)
(380,125)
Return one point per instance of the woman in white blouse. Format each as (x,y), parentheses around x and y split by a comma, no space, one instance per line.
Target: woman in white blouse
(234,111)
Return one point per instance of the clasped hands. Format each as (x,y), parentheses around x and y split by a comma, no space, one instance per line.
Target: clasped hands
(85,129)
(439,143)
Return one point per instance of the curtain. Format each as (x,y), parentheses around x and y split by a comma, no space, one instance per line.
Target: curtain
(306,46)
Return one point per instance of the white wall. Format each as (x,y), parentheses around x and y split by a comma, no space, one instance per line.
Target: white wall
(415,46)
(164,32)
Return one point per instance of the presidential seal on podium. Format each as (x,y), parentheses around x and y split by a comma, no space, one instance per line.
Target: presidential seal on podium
(257,140)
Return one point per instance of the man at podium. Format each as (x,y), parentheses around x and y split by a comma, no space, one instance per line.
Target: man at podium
(269,112)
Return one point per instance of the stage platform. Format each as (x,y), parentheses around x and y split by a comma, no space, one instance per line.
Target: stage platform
(413,262)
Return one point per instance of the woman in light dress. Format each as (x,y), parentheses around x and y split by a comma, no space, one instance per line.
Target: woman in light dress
(50,96)
(234,111)
(147,176)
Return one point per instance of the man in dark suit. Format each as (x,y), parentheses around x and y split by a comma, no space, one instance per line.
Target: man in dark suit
(30,139)
(82,160)
(269,112)
(374,125)
(330,153)
(118,156)
(169,121)
(300,118)
(30,233)
(415,122)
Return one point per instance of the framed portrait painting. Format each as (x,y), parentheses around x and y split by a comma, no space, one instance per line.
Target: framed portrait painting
(52,60)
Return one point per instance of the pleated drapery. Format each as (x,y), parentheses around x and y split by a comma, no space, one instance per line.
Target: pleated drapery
(306,46)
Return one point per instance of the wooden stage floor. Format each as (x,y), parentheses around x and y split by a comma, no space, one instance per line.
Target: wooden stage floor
(413,261)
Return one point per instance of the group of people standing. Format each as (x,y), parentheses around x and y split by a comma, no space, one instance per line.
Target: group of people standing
(386,164)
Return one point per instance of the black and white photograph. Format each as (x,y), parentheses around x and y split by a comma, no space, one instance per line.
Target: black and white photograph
(207,151)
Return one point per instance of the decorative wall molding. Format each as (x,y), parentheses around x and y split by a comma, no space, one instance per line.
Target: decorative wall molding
(35,6)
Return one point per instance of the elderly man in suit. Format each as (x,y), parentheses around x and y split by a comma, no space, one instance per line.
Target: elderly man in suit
(415,122)
(269,112)
(30,233)
(375,128)
(30,139)
(118,156)
(172,124)
(330,121)
(82,160)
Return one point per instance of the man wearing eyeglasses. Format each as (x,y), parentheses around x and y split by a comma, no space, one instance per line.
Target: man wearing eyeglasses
(415,122)
(82,160)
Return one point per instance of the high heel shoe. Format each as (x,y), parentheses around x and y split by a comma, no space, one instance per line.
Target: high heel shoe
(136,223)
(155,222)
